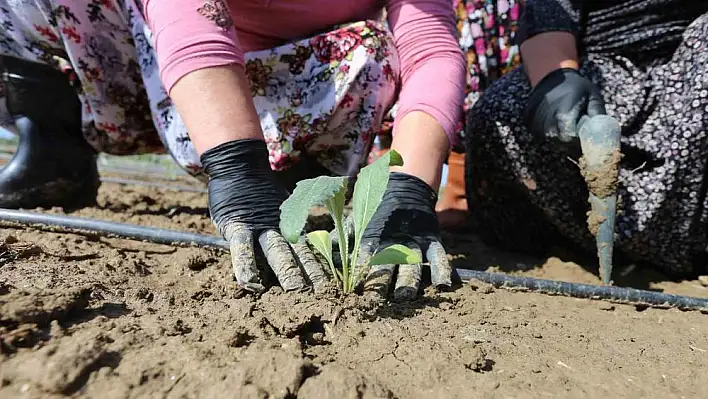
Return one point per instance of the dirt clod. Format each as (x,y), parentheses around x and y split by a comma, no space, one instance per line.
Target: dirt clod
(595,219)
(279,372)
(241,337)
(334,381)
(602,180)
(703,280)
(481,287)
(59,367)
(194,258)
(478,360)
(41,307)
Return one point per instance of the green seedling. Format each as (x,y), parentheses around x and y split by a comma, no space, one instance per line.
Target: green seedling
(330,192)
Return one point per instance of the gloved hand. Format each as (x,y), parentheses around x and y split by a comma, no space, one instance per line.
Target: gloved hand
(244,201)
(558,102)
(405,216)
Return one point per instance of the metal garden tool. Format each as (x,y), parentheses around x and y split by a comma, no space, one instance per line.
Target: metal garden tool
(600,143)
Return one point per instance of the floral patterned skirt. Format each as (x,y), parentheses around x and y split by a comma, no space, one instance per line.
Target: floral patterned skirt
(324,97)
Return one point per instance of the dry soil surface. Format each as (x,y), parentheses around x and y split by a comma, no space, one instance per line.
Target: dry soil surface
(94,317)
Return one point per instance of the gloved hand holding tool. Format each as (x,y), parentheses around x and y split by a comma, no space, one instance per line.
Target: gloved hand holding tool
(567,106)
(244,201)
(405,216)
(559,101)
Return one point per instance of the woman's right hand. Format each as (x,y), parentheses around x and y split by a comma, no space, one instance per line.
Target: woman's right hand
(244,203)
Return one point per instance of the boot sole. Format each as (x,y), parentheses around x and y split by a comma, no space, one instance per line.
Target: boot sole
(69,195)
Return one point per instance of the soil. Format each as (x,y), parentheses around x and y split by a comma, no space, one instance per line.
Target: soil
(602,179)
(602,182)
(95,317)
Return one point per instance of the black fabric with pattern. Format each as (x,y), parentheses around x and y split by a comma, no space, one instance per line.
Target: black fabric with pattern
(522,191)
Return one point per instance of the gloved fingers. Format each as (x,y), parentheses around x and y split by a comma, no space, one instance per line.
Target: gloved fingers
(379,279)
(547,122)
(243,257)
(591,104)
(282,261)
(567,121)
(314,270)
(323,261)
(440,268)
(367,248)
(408,278)
(540,114)
(407,282)
(596,104)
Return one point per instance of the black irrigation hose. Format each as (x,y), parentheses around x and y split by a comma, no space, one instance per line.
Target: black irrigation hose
(623,295)
(170,237)
(123,230)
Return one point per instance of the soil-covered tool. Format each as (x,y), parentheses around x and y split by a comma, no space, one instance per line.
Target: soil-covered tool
(600,142)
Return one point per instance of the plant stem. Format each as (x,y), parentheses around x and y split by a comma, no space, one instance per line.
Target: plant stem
(333,269)
(354,259)
(342,242)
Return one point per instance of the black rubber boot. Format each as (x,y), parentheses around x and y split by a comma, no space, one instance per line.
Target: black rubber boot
(53,164)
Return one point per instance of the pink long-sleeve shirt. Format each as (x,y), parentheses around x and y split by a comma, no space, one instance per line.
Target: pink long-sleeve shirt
(432,64)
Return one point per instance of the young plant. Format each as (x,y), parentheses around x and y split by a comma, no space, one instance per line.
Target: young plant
(330,191)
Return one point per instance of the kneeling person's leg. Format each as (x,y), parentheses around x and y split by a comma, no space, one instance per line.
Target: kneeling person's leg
(53,164)
(511,178)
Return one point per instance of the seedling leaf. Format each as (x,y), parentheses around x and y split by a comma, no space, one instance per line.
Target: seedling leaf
(335,206)
(395,255)
(370,187)
(330,191)
(307,194)
(368,191)
(322,242)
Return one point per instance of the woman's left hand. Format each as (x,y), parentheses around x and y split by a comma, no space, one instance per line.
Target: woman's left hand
(406,216)
(244,202)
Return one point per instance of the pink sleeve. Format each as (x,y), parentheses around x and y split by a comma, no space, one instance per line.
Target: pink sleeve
(432,64)
(191,35)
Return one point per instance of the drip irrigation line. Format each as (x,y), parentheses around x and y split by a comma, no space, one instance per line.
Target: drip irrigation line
(122,230)
(171,237)
(611,293)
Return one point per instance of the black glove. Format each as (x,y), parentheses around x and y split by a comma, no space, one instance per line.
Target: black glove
(558,102)
(405,216)
(244,201)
